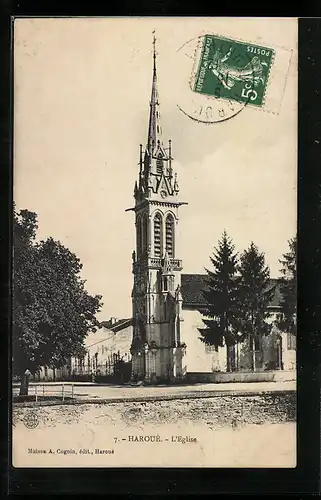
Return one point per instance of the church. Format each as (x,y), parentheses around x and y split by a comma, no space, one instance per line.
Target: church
(161,341)
(162,335)
(157,348)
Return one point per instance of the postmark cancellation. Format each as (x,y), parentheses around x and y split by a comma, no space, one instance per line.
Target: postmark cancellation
(232,70)
(226,75)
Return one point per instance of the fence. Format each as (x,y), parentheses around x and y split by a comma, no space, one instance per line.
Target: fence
(109,365)
(41,392)
(105,366)
(114,368)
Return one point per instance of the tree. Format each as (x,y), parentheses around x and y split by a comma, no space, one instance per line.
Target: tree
(52,311)
(220,296)
(288,283)
(255,294)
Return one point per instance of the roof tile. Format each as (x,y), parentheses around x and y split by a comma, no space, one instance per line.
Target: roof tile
(193,284)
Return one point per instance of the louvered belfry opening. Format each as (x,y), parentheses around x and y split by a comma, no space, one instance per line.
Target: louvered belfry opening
(157,235)
(170,235)
(159,164)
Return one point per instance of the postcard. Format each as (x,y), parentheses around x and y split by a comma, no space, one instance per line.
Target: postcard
(154,242)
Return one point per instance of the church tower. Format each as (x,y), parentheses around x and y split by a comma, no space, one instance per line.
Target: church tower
(156,348)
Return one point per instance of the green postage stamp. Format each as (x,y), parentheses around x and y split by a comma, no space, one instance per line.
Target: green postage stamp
(233,70)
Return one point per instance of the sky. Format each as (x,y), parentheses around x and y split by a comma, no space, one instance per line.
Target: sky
(81,102)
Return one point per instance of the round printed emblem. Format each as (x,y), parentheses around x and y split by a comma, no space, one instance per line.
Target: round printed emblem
(31,419)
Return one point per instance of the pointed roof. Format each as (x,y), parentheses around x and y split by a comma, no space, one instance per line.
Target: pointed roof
(154,127)
(156,176)
(163,185)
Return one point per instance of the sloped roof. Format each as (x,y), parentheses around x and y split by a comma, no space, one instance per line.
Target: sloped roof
(117,325)
(191,289)
(193,284)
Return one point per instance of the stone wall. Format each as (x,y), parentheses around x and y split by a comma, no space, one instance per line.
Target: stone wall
(47,374)
(225,377)
(199,357)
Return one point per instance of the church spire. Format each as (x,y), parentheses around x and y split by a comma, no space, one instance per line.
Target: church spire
(154,128)
(156,176)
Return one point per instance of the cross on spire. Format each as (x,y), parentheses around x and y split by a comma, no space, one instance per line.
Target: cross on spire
(156,176)
(154,50)
(154,129)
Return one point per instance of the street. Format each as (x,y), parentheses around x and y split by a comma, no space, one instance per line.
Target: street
(107,392)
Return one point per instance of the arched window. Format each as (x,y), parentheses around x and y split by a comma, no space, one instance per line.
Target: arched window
(139,236)
(157,235)
(170,235)
(144,234)
(159,164)
(165,284)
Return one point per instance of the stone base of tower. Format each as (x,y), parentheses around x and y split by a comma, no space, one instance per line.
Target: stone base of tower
(138,367)
(158,366)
